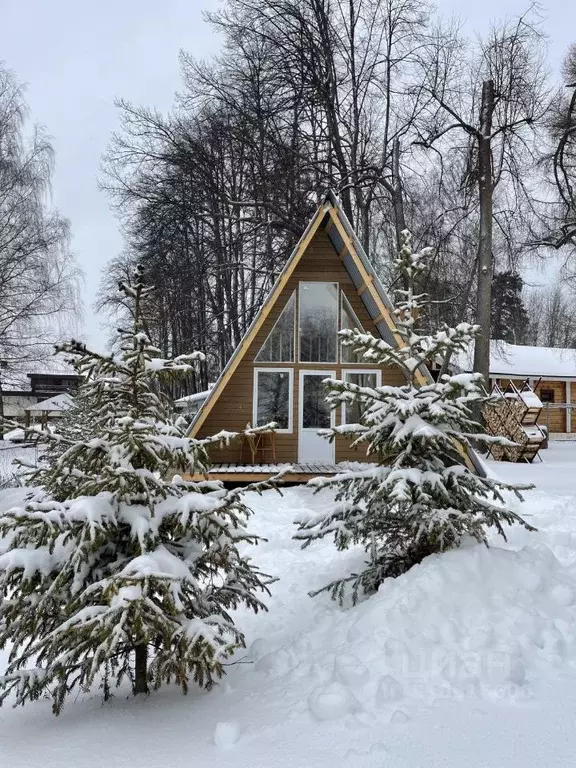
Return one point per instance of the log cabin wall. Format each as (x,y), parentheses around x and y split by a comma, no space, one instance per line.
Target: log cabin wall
(554,418)
(233,409)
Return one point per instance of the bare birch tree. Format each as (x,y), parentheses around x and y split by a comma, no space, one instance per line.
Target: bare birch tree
(495,99)
(349,64)
(38,278)
(559,225)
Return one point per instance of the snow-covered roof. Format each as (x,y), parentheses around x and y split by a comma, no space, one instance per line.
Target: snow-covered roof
(14,436)
(61,402)
(518,361)
(19,434)
(197,397)
(16,375)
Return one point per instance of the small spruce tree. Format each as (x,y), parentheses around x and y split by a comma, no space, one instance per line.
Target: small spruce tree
(120,568)
(422,496)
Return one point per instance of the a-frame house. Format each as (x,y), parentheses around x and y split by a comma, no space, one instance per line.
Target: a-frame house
(276,372)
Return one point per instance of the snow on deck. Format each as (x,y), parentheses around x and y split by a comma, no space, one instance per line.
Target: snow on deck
(467,660)
(515,361)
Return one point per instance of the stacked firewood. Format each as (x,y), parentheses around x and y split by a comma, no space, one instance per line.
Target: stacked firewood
(503,418)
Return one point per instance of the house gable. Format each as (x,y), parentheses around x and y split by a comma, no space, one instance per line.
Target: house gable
(233,404)
(328,251)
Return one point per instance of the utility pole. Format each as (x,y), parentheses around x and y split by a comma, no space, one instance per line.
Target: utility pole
(485,257)
(3,364)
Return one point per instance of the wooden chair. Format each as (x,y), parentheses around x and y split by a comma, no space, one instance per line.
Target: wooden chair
(259,444)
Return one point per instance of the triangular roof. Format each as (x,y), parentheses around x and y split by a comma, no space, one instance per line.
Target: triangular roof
(332,218)
(61,402)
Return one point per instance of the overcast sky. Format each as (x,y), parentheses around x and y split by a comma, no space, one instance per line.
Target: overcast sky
(76,57)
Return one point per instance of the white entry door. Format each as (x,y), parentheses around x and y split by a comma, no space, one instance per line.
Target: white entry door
(314,414)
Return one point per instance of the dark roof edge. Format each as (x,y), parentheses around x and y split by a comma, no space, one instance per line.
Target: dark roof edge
(376,282)
(56,374)
(335,201)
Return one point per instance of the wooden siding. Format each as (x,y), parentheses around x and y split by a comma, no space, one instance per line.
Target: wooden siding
(233,409)
(554,418)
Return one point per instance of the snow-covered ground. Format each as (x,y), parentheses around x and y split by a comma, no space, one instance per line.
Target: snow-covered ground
(468,660)
(10,451)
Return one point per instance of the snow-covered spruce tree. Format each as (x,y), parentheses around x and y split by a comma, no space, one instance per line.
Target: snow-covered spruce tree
(421,496)
(125,570)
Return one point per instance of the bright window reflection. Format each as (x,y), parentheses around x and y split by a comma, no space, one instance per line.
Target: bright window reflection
(318,322)
(279,346)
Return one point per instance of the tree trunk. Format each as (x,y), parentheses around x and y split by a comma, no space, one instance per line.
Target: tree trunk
(398,201)
(445,368)
(141,669)
(1,406)
(485,265)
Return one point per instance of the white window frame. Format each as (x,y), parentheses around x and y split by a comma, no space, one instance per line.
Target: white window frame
(356,319)
(290,372)
(338,320)
(347,371)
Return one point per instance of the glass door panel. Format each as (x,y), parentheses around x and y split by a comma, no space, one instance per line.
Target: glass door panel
(314,414)
(315,409)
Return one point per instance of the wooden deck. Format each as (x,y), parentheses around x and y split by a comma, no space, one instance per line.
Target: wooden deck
(250,473)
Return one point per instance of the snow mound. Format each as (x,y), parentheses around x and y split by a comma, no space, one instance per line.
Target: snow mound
(350,671)
(398,717)
(474,621)
(226,734)
(329,702)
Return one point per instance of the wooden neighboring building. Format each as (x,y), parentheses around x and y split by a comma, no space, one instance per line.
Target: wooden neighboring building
(276,373)
(550,371)
(19,391)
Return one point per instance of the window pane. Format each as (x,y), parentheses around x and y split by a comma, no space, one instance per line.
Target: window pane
(355,410)
(315,409)
(351,322)
(279,346)
(318,322)
(273,403)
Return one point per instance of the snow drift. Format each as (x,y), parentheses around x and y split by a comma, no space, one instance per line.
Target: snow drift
(468,659)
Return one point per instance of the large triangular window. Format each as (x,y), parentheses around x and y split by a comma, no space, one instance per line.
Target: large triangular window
(279,346)
(318,322)
(349,320)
